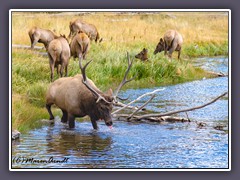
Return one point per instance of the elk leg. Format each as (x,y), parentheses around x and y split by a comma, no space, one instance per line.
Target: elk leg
(85,51)
(94,124)
(34,43)
(57,69)
(64,117)
(48,106)
(179,52)
(52,71)
(173,48)
(34,39)
(61,70)
(71,121)
(31,38)
(66,70)
(165,48)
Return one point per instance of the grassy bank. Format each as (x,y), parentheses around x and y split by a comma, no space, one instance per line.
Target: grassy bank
(204,35)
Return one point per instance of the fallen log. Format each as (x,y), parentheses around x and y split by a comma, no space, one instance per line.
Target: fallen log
(156,117)
(125,117)
(215,74)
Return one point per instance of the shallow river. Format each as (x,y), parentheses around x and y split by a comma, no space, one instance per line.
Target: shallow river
(141,145)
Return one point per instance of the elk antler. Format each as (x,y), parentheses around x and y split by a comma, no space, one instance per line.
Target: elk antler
(85,82)
(124,81)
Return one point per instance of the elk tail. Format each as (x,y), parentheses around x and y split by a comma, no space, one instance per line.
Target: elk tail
(80,46)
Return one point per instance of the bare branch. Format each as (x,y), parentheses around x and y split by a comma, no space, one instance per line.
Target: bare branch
(146,116)
(120,104)
(148,101)
(140,97)
(124,81)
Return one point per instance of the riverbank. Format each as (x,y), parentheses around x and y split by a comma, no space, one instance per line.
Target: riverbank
(120,33)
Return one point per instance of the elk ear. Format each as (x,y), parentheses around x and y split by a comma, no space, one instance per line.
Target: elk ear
(70,23)
(110,92)
(161,40)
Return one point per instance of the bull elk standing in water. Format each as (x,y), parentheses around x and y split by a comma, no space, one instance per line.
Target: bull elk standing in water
(89,29)
(59,54)
(78,96)
(41,35)
(143,55)
(172,41)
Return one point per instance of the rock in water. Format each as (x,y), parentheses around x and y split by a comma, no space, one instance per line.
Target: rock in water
(15,134)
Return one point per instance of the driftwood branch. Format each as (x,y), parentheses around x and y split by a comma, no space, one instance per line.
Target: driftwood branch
(215,74)
(140,97)
(120,104)
(141,107)
(159,117)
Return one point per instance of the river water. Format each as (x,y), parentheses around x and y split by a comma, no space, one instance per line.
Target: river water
(141,145)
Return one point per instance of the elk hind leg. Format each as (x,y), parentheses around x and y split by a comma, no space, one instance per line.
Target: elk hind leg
(64,116)
(71,121)
(179,53)
(48,106)
(173,48)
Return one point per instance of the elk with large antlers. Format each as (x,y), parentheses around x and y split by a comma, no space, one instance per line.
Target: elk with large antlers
(78,96)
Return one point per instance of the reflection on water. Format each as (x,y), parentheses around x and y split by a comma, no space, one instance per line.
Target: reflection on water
(142,145)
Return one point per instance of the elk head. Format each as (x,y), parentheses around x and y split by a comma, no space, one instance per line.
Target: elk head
(160,46)
(104,101)
(142,55)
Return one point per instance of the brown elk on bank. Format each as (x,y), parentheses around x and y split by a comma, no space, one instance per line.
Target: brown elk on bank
(89,29)
(172,41)
(59,55)
(41,35)
(143,55)
(80,45)
(78,96)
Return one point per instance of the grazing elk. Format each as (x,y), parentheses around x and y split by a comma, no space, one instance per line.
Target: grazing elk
(59,54)
(78,96)
(143,55)
(41,35)
(80,45)
(89,29)
(172,41)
